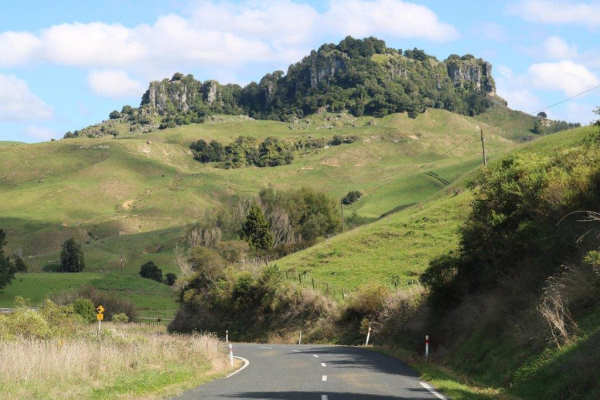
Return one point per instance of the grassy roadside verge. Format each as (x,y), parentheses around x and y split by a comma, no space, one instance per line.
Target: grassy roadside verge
(127,361)
(446,381)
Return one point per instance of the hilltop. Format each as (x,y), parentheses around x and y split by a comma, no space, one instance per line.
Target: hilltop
(362,77)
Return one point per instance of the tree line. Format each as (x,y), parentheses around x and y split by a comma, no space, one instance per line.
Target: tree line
(271,152)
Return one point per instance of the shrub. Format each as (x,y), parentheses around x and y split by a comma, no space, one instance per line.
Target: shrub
(20,265)
(120,318)
(85,308)
(52,267)
(150,270)
(112,305)
(170,279)
(351,197)
(114,115)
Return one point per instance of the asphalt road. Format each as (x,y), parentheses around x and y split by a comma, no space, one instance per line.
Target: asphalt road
(307,372)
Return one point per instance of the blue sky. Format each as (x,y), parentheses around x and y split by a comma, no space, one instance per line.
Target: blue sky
(65,65)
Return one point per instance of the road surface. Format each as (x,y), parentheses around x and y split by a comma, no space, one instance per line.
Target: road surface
(307,372)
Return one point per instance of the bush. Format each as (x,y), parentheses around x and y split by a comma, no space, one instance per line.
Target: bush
(52,267)
(351,197)
(112,305)
(120,318)
(114,115)
(20,265)
(151,271)
(85,308)
(170,279)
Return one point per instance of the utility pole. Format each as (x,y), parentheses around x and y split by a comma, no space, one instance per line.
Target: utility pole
(342,210)
(483,148)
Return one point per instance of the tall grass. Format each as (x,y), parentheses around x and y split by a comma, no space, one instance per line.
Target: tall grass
(124,361)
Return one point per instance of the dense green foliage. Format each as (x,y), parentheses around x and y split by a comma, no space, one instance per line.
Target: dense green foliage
(20,265)
(7,269)
(85,308)
(250,306)
(71,257)
(544,126)
(256,230)
(243,152)
(170,279)
(150,270)
(513,228)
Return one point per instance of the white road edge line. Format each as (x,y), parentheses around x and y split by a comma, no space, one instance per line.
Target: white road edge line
(296,351)
(323,365)
(324,378)
(431,390)
(246,363)
(323,397)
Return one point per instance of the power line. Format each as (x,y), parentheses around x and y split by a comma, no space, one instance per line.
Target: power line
(572,97)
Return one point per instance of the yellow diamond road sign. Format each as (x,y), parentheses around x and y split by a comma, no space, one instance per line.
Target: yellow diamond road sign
(100,309)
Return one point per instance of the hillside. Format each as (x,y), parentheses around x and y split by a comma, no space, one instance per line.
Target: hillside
(133,196)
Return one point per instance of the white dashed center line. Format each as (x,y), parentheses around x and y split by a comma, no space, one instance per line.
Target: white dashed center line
(324,378)
(323,365)
(315,356)
(323,397)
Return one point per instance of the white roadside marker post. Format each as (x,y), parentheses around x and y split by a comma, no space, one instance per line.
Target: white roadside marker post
(231,354)
(368,336)
(300,338)
(427,347)
(226,335)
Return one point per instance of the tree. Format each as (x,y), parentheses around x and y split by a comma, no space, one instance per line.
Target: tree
(256,229)
(170,279)
(114,115)
(542,115)
(7,270)
(150,270)
(71,257)
(20,265)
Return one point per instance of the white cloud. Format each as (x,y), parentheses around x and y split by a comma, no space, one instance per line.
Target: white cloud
(17,48)
(94,44)
(556,48)
(567,76)
(17,103)
(559,12)
(390,17)
(114,83)
(218,33)
(40,132)
(515,90)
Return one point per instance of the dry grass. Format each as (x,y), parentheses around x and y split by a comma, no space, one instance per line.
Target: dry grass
(125,361)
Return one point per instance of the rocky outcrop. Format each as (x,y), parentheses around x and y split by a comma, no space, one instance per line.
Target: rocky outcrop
(473,72)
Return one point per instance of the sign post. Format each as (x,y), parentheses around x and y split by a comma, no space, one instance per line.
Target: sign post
(100,317)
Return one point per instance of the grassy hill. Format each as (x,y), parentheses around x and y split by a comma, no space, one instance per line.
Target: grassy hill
(133,196)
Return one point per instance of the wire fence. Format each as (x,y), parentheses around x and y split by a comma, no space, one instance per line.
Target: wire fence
(306,280)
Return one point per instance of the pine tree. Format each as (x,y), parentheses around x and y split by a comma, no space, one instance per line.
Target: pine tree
(7,270)
(256,230)
(71,257)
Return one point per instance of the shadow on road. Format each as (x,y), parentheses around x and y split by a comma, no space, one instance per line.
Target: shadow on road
(296,395)
(354,357)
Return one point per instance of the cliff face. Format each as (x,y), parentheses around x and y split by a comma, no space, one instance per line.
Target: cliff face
(471,71)
(361,76)
(181,94)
